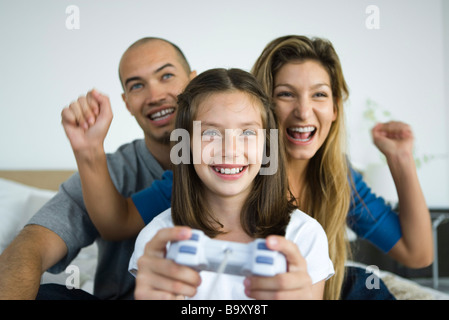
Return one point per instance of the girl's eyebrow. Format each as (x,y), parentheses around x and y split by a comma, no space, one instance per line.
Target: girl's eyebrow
(242,124)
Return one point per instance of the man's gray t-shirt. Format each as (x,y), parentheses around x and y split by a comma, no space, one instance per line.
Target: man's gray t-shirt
(132,168)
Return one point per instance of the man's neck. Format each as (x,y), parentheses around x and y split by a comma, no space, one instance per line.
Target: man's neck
(160,151)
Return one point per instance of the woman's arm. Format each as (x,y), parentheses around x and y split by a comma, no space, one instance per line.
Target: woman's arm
(415,248)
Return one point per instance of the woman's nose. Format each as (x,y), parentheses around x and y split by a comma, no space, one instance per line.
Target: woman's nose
(303,109)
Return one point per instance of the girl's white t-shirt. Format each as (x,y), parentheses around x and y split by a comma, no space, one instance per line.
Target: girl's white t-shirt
(302,229)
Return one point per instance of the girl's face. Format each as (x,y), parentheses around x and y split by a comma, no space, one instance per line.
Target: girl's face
(231,142)
(304,104)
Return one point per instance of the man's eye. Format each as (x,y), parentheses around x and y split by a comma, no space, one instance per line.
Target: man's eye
(167,76)
(135,86)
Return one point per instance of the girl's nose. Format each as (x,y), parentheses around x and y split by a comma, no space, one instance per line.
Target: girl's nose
(232,146)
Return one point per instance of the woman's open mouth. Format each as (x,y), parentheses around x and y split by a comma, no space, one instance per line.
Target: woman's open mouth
(301,134)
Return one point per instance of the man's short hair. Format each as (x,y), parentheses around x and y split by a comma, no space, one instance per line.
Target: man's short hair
(181,56)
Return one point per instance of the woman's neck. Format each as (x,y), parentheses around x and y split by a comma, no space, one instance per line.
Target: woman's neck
(296,172)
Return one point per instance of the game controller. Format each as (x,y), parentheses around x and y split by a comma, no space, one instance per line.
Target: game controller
(245,259)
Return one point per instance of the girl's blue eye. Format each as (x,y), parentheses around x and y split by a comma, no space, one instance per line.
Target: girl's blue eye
(211,133)
(249,132)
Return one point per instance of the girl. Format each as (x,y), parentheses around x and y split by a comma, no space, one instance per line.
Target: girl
(305,79)
(225,196)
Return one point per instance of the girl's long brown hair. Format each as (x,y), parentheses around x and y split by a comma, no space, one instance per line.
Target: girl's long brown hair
(326,195)
(268,208)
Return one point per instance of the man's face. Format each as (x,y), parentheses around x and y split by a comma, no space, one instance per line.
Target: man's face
(153,76)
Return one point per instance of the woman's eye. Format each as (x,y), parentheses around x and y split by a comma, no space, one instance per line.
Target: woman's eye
(284,94)
(320,95)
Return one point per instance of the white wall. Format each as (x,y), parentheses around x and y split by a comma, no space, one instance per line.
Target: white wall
(44,65)
(445,13)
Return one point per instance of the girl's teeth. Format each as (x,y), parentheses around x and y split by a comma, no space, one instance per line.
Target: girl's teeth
(229,170)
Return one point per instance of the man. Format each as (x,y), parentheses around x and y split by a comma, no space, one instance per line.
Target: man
(152,72)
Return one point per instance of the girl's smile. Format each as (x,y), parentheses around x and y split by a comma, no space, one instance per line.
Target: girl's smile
(229,172)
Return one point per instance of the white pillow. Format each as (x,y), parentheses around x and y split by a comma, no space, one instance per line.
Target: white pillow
(18,202)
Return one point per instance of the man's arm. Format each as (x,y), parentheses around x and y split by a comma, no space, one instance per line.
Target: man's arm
(23,262)
(86,123)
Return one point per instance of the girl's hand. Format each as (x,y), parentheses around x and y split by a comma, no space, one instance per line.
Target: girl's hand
(294,284)
(161,279)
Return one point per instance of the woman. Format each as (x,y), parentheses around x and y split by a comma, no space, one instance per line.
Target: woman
(305,79)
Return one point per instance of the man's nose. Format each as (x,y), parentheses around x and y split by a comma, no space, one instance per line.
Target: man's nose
(155,93)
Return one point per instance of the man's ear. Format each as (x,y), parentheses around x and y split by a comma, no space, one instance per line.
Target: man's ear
(125,101)
(192,75)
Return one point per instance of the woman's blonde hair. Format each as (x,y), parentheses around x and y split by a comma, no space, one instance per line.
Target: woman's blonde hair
(268,208)
(327,193)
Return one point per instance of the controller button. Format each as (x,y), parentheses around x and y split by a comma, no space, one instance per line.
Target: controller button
(264,259)
(194,237)
(187,249)
(262,246)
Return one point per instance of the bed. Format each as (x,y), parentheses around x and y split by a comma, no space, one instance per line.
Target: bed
(22,193)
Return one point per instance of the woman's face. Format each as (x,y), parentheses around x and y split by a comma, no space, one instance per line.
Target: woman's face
(231,143)
(304,105)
